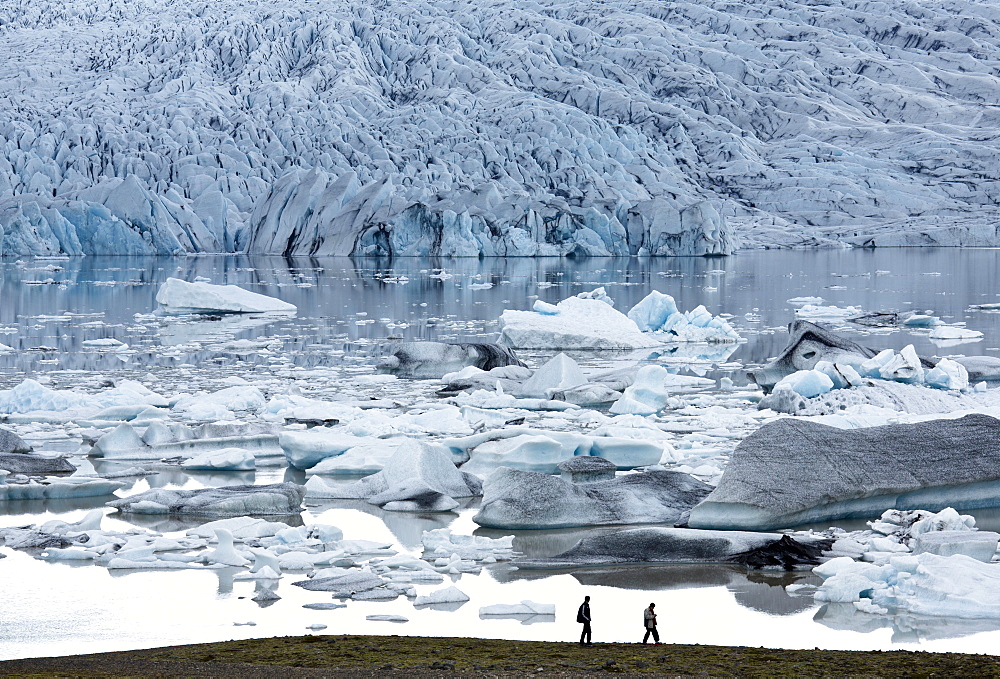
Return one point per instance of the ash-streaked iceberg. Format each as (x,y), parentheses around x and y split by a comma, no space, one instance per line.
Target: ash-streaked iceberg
(791,472)
(514,499)
(273,499)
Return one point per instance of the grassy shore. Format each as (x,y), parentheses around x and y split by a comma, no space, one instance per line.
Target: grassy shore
(349,655)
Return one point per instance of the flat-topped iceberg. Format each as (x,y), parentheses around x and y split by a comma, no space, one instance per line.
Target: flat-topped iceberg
(181,297)
(277,498)
(684,545)
(514,499)
(574,323)
(791,472)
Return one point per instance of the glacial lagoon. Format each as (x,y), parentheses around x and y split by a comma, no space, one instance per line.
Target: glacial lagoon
(347,310)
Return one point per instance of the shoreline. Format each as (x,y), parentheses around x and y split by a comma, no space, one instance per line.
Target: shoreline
(359,655)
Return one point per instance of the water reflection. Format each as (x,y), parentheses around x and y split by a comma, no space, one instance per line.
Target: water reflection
(906,628)
(347,305)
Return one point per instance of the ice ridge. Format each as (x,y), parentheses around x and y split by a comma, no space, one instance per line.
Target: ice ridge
(553,128)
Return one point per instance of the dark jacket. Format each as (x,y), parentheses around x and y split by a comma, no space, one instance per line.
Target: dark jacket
(583,615)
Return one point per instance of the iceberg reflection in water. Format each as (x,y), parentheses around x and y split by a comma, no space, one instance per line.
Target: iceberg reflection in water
(347,311)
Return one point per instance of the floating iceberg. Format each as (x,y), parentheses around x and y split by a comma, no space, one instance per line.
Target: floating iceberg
(955,586)
(26,463)
(683,545)
(652,389)
(418,477)
(225,459)
(657,313)
(526,607)
(950,332)
(791,472)
(180,297)
(277,498)
(56,487)
(541,450)
(448,595)
(161,441)
(515,499)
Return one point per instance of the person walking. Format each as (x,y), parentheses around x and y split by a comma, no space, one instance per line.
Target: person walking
(583,615)
(649,621)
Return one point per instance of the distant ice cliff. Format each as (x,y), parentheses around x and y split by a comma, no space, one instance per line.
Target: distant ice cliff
(408,127)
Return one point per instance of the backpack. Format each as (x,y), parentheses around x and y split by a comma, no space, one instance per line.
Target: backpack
(579,614)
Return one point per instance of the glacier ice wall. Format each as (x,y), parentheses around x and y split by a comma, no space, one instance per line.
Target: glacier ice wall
(495,128)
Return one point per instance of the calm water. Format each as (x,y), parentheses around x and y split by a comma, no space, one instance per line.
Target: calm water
(346,310)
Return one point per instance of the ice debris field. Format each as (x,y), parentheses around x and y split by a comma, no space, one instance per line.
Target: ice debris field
(497,465)
(299,127)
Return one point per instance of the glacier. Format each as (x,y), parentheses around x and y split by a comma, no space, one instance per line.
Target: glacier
(305,127)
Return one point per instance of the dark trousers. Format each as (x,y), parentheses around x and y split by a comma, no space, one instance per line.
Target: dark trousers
(651,630)
(585,634)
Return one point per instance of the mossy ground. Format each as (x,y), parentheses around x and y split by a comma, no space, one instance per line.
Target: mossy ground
(384,655)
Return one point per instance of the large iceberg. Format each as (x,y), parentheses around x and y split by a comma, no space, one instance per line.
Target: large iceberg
(791,472)
(514,499)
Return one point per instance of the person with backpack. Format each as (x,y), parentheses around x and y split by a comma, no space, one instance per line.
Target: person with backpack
(583,615)
(649,622)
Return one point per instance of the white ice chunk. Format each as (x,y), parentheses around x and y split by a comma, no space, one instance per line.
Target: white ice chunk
(447,595)
(226,459)
(178,297)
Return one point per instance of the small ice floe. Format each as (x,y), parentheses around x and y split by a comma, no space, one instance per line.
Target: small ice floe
(805,300)
(515,499)
(225,459)
(248,624)
(816,312)
(527,612)
(106,344)
(686,545)
(652,390)
(765,485)
(448,595)
(418,477)
(316,627)
(242,528)
(266,594)
(225,552)
(274,499)
(386,617)
(657,313)
(180,297)
(574,323)
(540,450)
(324,606)
(434,359)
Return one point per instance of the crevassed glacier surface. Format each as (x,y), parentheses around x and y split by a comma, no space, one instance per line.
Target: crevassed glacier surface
(411,128)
